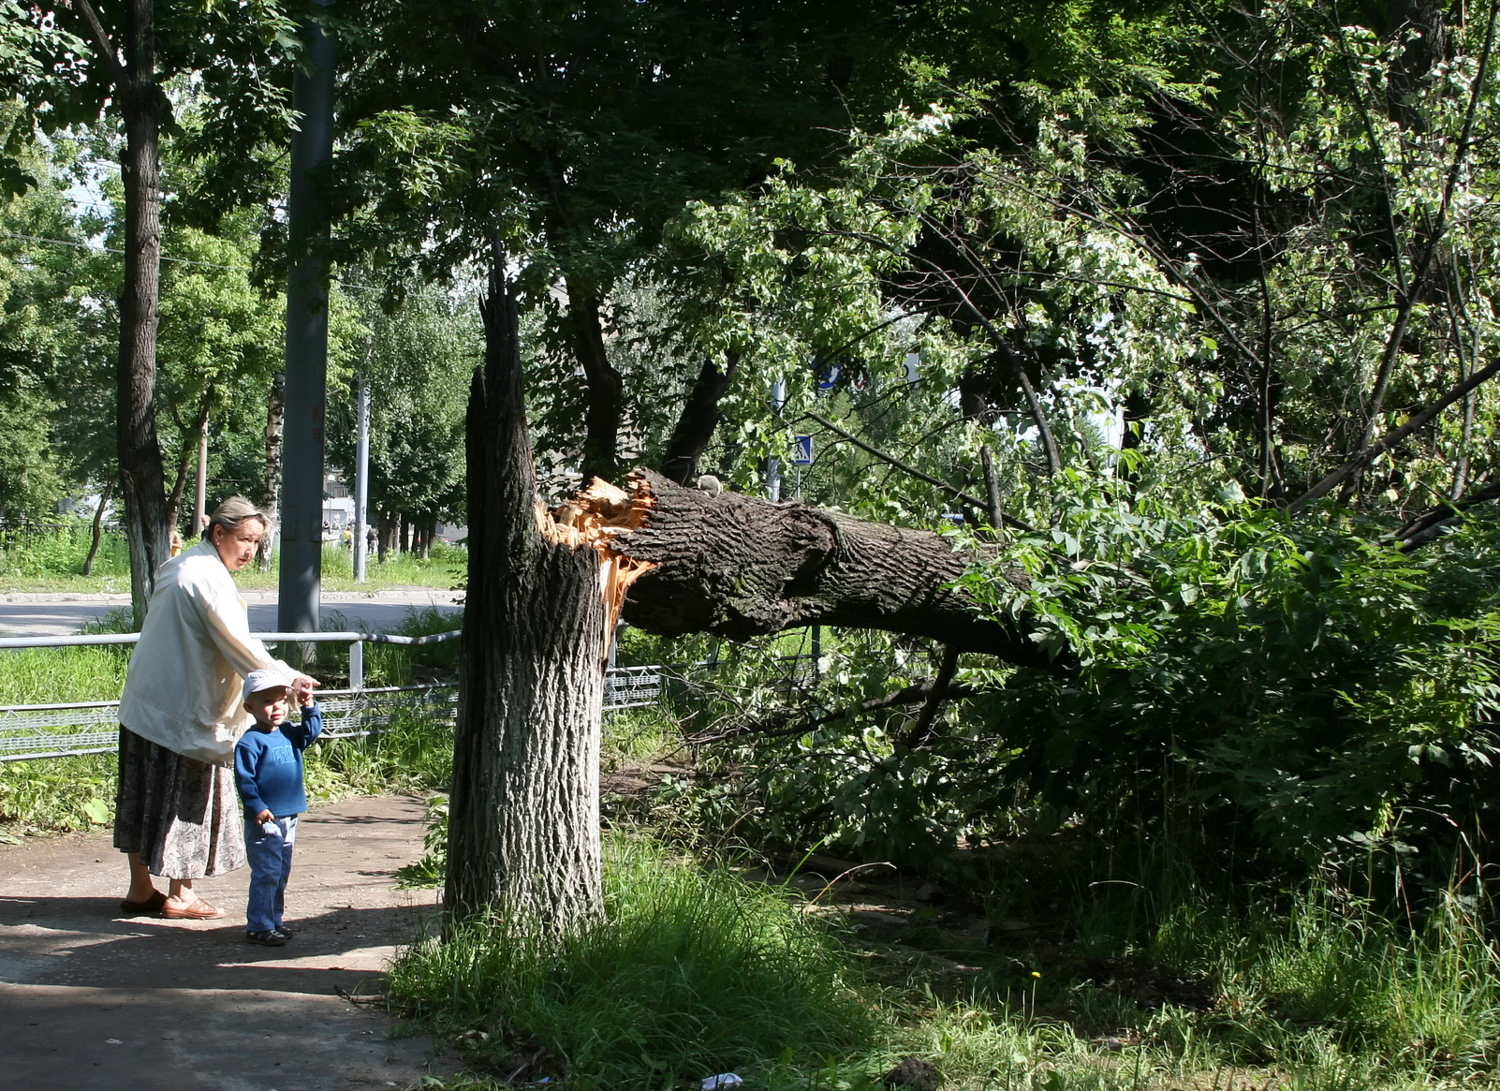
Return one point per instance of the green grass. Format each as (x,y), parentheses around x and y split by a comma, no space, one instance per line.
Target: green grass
(695,972)
(638,734)
(1330,977)
(1305,991)
(53,562)
(39,676)
(56,794)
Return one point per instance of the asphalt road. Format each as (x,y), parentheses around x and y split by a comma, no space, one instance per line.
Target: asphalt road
(26,614)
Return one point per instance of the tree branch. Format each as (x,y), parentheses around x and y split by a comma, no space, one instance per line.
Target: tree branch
(776,726)
(1390,439)
(921,732)
(1431,523)
(117,74)
(906,467)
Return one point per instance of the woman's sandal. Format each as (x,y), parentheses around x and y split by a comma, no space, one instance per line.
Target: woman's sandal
(154,904)
(200,910)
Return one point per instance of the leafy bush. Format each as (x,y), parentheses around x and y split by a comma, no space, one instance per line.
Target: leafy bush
(1292,689)
(1256,693)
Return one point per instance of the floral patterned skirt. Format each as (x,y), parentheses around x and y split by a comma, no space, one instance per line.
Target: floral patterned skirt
(183,816)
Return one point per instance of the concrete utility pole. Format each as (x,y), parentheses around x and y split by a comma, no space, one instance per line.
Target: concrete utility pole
(773,464)
(306,336)
(200,486)
(361,479)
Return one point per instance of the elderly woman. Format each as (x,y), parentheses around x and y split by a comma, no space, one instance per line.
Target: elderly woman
(177,813)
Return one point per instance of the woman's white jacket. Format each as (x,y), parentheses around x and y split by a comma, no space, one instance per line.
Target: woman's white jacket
(183,687)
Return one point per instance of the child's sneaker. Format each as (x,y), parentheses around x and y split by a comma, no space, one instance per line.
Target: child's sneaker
(284,930)
(272,938)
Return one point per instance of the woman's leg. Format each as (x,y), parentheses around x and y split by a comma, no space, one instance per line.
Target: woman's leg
(180,893)
(142,887)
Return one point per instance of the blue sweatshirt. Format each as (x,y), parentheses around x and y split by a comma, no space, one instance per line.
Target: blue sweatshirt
(268,764)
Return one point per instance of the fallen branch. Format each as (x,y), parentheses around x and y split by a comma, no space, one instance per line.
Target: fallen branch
(1431,523)
(921,732)
(778,725)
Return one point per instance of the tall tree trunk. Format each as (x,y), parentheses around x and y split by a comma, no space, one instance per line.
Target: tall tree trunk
(606,390)
(189,453)
(98,529)
(142,482)
(524,809)
(700,416)
(270,485)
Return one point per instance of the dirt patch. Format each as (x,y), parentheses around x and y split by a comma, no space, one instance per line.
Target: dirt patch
(90,999)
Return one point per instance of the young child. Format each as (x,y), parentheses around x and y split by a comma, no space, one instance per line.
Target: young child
(268,771)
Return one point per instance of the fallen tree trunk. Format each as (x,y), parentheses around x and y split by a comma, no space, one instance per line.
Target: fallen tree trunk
(739,566)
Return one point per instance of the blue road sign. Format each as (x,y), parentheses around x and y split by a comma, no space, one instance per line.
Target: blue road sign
(802,450)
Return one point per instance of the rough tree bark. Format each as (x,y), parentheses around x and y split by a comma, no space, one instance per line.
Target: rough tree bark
(524,808)
(270,487)
(739,567)
(142,480)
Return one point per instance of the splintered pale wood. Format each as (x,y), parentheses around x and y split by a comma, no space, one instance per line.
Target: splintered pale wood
(594,518)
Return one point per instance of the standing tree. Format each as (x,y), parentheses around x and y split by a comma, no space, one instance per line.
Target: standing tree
(525,802)
(81,63)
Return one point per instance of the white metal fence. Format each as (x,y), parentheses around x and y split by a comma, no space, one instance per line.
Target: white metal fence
(91,727)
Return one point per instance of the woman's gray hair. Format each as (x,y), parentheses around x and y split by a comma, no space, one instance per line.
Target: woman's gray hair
(233,511)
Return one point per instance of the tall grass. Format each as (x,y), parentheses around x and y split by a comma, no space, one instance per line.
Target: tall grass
(57,554)
(42,676)
(1423,998)
(402,665)
(639,734)
(444,568)
(52,560)
(412,754)
(694,972)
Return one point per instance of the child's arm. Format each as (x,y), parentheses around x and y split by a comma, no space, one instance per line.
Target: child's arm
(245,764)
(304,734)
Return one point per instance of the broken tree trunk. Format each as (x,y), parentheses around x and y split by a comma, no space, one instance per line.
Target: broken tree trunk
(524,808)
(740,567)
(546,588)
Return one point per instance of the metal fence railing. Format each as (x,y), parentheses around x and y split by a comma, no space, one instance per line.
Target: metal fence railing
(91,727)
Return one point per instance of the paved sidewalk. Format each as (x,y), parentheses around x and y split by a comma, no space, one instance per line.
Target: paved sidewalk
(91,1001)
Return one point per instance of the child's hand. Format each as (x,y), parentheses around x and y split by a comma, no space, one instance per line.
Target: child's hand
(265,816)
(302,688)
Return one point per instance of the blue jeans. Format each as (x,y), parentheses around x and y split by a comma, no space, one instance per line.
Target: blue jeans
(270,857)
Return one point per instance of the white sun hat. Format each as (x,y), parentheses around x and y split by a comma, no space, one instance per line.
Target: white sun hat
(266,678)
